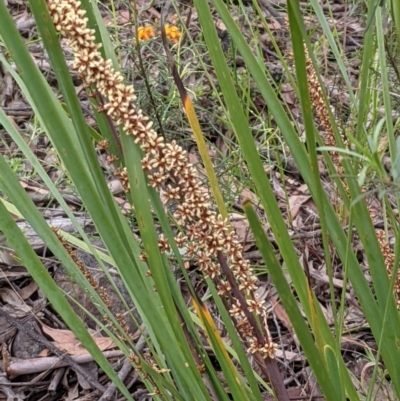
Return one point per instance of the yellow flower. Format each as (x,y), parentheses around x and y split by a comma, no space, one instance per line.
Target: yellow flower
(173,33)
(145,32)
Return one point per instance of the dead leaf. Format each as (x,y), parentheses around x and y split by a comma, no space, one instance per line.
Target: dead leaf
(10,273)
(247,194)
(274,25)
(12,299)
(281,313)
(295,203)
(28,290)
(6,256)
(124,17)
(287,94)
(241,226)
(66,341)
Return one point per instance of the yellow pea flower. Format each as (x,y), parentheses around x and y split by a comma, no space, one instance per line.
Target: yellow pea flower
(173,33)
(145,32)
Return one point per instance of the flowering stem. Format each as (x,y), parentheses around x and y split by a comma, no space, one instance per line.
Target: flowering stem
(267,364)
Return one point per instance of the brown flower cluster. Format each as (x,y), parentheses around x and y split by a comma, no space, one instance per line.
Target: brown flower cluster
(82,268)
(317,100)
(388,255)
(100,290)
(204,234)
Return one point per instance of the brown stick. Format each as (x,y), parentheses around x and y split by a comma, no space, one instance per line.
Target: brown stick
(36,365)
